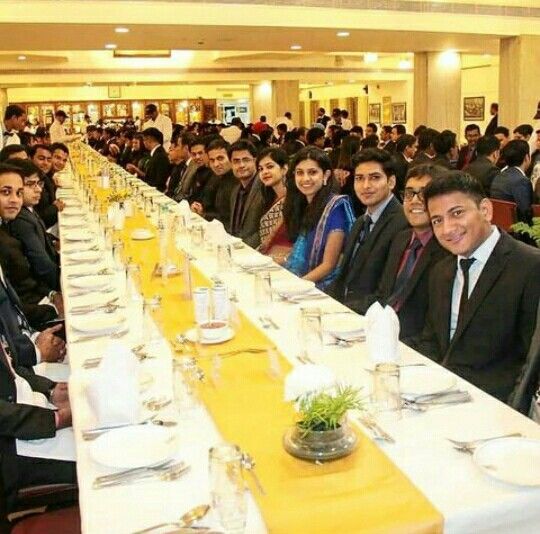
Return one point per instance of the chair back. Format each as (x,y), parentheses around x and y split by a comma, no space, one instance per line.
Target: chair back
(504,213)
(536,210)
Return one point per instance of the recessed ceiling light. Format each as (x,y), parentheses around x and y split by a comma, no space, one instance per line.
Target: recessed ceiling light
(405,64)
(370,57)
(121,29)
(296,47)
(110,46)
(343,34)
(21,58)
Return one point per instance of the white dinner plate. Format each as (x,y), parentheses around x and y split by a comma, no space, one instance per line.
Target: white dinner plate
(133,446)
(193,336)
(253,260)
(141,234)
(292,287)
(97,324)
(512,460)
(70,211)
(86,256)
(416,381)
(73,222)
(91,282)
(71,202)
(79,235)
(344,325)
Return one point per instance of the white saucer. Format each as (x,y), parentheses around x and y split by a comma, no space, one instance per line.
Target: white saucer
(99,324)
(133,446)
(71,211)
(141,234)
(515,461)
(290,288)
(193,336)
(417,381)
(253,260)
(79,235)
(344,325)
(87,256)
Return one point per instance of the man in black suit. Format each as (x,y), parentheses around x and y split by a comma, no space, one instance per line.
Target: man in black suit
(196,182)
(386,139)
(179,158)
(512,184)
(412,255)
(247,203)
(20,419)
(48,206)
(158,168)
(216,200)
(426,152)
(30,230)
(467,153)
(483,168)
(30,345)
(482,300)
(366,248)
(403,157)
(446,150)
(494,122)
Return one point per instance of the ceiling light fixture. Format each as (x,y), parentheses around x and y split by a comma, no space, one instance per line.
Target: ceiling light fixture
(296,47)
(371,57)
(343,34)
(121,29)
(21,58)
(110,46)
(449,59)
(405,64)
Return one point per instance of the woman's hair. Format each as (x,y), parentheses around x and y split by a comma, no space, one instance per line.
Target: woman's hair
(349,147)
(298,215)
(278,156)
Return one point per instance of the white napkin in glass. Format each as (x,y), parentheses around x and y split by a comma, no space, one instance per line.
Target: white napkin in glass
(215,232)
(382,334)
(113,390)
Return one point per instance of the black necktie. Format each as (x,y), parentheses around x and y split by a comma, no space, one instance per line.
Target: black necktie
(395,300)
(465,265)
(362,234)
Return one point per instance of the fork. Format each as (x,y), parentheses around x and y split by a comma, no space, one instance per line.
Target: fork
(115,335)
(172,473)
(469,446)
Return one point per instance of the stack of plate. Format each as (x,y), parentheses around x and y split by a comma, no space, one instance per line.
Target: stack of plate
(346,325)
(253,261)
(102,324)
(292,287)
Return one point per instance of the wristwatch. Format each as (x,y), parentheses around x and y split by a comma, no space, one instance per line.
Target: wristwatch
(50,392)
(51,295)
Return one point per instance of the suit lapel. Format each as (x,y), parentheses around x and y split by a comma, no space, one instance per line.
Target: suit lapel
(421,265)
(444,296)
(250,198)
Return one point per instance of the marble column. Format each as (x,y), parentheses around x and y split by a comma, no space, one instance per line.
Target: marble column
(274,98)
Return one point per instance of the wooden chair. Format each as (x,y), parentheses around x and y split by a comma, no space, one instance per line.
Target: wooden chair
(504,213)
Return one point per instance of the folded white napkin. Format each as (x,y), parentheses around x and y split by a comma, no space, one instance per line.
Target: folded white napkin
(215,232)
(308,379)
(382,334)
(113,389)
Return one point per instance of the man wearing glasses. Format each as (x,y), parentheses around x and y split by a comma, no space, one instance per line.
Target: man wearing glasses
(412,255)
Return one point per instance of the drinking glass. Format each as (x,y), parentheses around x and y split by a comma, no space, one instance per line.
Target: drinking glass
(224,257)
(227,486)
(263,289)
(311,341)
(185,385)
(386,392)
(197,235)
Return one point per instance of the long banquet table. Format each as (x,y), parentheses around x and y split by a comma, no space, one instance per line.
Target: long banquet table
(468,500)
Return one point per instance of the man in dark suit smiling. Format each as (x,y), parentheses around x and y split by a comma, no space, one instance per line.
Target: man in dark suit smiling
(483,299)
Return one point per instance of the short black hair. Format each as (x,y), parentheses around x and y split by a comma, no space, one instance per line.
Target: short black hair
(33,149)
(487,144)
(344,113)
(524,130)
(515,152)
(288,114)
(154,133)
(197,140)
(357,129)
(494,106)
(373,126)
(419,129)
(9,150)
(426,169)
(60,113)
(59,146)
(313,134)
(370,141)
(277,155)
(444,141)
(41,131)
(426,138)
(150,108)
(454,182)
(26,167)
(471,127)
(322,109)
(377,155)
(404,141)
(217,144)
(242,144)
(502,130)
(400,129)
(7,168)
(13,110)
(387,128)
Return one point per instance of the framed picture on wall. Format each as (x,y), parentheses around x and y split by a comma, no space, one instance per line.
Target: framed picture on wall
(114,91)
(399,113)
(473,108)
(374,113)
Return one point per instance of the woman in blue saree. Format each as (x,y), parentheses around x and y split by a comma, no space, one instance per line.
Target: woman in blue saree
(317,219)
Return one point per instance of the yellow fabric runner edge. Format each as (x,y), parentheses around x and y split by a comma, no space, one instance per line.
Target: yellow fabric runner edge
(364,492)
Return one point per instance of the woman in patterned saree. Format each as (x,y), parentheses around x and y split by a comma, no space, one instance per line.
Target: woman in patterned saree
(272,165)
(317,219)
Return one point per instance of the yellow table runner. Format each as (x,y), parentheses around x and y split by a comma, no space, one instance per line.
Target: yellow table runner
(364,492)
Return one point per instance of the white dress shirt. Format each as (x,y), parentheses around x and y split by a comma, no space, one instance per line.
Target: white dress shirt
(481,256)
(164,125)
(58,133)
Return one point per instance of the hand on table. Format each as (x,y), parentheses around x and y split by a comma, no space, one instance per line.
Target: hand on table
(59,205)
(197,207)
(58,302)
(63,417)
(60,395)
(52,348)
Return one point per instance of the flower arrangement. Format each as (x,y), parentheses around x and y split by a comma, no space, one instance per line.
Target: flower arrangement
(118,196)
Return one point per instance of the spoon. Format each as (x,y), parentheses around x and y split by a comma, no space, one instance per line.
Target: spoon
(190,517)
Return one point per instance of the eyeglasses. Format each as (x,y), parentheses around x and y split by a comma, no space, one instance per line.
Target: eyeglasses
(34,185)
(409,193)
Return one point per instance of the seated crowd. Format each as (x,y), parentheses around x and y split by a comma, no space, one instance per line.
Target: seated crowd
(402,219)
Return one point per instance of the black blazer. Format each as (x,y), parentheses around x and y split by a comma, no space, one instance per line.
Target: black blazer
(177,172)
(19,272)
(512,185)
(484,171)
(251,216)
(461,158)
(402,166)
(30,230)
(490,345)
(415,296)
(45,208)
(158,169)
(216,198)
(363,275)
